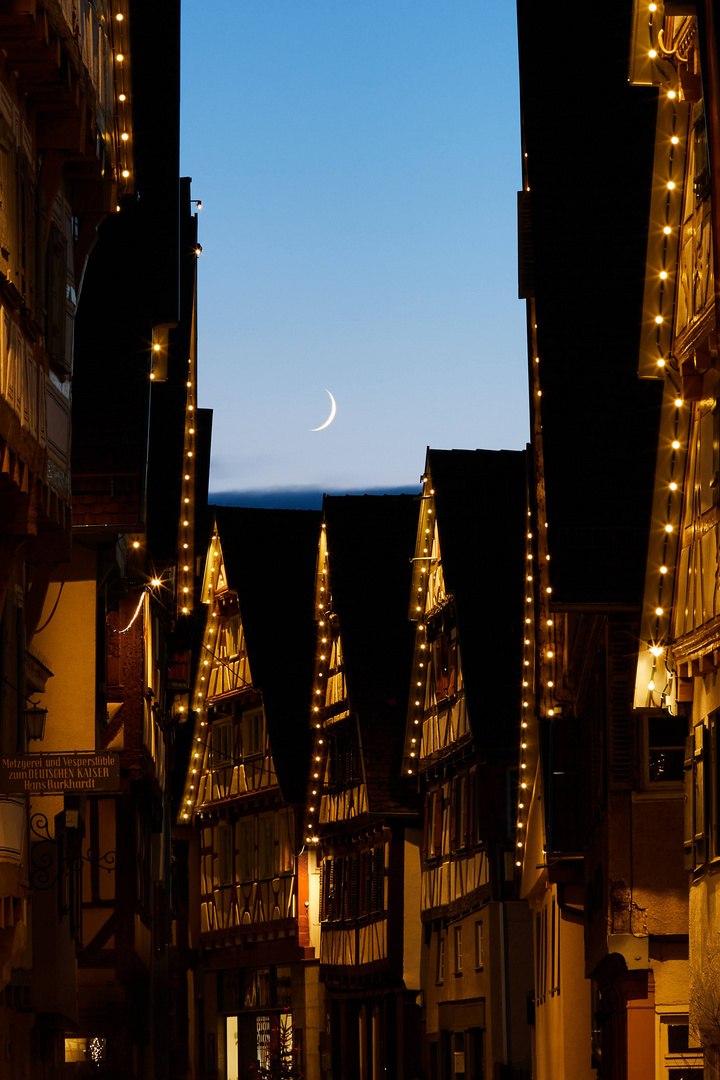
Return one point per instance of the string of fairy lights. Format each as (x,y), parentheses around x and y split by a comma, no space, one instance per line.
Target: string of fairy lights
(199,692)
(186,552)
(528,687)
(325,630)
(660,618)
(418,602)
(123,112)
(673,449)
(539,664)
(538,640)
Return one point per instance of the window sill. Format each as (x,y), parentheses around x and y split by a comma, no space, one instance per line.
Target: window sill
(658,794)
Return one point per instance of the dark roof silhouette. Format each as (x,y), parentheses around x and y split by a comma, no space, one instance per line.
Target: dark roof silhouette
(371,541)
(270,558)
(480,511)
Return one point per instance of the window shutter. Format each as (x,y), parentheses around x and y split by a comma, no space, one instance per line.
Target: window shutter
(353,907)
(347,875)
(701,803)
(323,897)
(437,831)
(425,829)
(362,884)
(332,881)
(470,803)
(465,803)
(689,829)
(378,878)
(454,813)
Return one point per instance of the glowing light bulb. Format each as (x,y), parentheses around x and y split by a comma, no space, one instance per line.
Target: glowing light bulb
(121,97)
(661,363)
(658,319)
(659,611)
(674,140)
(678,402)
(672,95)
(651,685)
(663,275)
(668,528)
(673,485)
(675,444)
(656,650)
(671,185)
(119,57)
(124,136)
(663,569)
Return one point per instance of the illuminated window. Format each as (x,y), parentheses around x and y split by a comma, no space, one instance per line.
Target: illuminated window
(286,825)
(76,1050)
(232,637)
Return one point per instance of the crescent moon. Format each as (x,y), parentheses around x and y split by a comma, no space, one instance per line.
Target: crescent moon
(331,417)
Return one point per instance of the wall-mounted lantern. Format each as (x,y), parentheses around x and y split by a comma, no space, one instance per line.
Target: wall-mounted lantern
(35,717)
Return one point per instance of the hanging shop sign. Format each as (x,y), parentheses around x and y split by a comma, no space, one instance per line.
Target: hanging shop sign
(56,774)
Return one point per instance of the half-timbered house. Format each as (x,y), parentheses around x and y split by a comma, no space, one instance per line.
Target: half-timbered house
(94,980)
(253,881)
(466,605)
(361,816)
(677,697)
(599,801)
(60,164)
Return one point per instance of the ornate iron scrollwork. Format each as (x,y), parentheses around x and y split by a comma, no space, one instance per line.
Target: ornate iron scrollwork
(46,856)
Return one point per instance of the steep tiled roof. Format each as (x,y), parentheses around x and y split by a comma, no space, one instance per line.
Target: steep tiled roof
(270,558)
(370,547)
(480,513)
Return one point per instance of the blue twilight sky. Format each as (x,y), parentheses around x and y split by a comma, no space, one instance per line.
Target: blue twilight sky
(358,163)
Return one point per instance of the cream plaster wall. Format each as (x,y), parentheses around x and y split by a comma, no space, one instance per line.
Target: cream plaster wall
(563,1033)
(68,642)
(412,927)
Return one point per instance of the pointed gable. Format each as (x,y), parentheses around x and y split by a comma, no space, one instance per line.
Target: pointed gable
(361,666)
(468,586)
(270,559)
(259,579)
